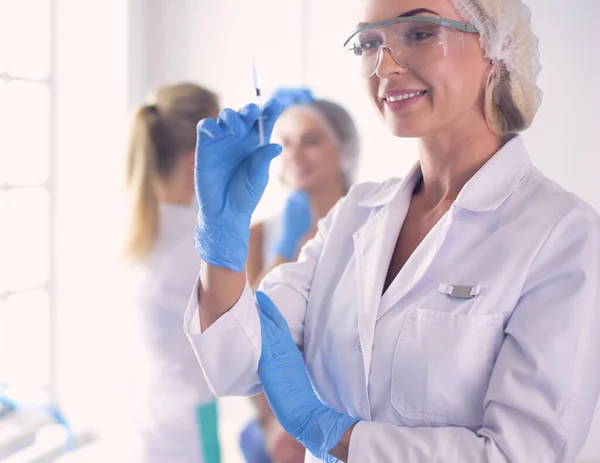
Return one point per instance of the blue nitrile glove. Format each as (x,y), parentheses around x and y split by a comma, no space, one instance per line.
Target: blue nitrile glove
(289,391)
(252,444)
(292,96)
(295,223)
(232,171)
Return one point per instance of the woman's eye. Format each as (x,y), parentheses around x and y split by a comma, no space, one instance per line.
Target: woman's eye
(365,45)
(418,35)
(369,44)
(311,141)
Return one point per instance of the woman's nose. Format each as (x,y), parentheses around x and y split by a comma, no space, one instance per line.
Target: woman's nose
(292,152)
(387,64)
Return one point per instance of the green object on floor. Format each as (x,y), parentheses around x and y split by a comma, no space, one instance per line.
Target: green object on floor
(207,417)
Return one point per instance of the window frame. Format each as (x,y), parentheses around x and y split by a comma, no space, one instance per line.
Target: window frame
(49,186)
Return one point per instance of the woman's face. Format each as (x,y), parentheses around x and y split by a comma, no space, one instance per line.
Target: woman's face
(453,85)
(311,151)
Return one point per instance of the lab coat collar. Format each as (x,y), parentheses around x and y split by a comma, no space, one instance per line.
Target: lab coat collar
(390,189)
(485,191)
(497,179)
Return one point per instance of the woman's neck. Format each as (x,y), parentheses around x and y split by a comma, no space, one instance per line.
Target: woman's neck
(449,160)
(175,191)
(322,199)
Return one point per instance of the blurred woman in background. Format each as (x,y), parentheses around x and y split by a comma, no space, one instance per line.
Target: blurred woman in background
(319,159)
(175,412)
(320,155)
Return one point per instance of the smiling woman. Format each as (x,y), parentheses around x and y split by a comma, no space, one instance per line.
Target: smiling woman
(419,37)
(414,326)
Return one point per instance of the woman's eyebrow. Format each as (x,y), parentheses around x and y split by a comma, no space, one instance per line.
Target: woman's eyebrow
(311,134)
(408,13)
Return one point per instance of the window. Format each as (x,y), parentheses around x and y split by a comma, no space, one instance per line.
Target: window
(25,193)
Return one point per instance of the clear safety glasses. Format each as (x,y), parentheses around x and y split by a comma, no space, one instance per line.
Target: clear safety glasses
(412,41)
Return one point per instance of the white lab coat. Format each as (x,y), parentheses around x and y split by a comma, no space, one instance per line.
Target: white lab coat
(511,375)
(169,383)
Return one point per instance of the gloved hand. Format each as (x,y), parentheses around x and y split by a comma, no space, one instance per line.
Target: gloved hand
(291,96)
(232,171)
(289,391)
(252,444)
(296,221)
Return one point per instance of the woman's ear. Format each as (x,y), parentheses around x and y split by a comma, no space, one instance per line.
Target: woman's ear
(487,79)
(489,69)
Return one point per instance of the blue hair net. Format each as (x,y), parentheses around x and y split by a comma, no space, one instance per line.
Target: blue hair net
(293,96)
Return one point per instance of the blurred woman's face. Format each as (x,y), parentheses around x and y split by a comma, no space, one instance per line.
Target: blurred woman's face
(311,152)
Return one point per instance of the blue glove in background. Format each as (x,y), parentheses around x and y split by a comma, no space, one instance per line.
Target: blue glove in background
(232,171)
(292,96)
(288,388)
(295,223)
(252,444)
(13,399)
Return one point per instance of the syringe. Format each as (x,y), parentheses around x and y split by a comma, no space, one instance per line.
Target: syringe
(261,129)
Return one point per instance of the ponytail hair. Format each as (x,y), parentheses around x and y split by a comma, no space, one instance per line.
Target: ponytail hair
(140,178)
(160,134)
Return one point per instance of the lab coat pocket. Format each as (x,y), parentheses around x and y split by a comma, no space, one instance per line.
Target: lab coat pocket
(442,366)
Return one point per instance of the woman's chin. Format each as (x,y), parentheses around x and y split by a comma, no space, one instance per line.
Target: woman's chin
(407,125)
(406,129)
(301,183)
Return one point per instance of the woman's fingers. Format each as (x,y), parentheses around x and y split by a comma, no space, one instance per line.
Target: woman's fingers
(232,123)
(208,129)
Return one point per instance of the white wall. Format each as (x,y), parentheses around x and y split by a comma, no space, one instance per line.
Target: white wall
(564,139)
(213,42)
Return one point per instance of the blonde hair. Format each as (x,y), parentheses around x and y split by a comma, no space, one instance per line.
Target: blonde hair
(160,134)
(502,107)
